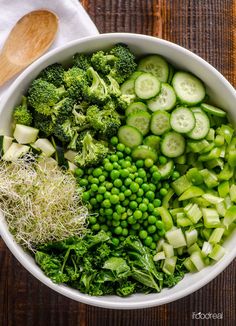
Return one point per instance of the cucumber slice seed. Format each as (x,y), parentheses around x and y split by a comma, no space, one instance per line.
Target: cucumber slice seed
(130,136)
(202,126)
(182,120)
(165,100)
(156,65)
(135,107)
(173,144)
(127,88)
(147,86)
(188,88)
(160,122)
(213,110)
(140,120)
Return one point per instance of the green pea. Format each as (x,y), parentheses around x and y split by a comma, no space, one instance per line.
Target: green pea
(155,212)
(121,197)
(131,220)
(124,173)
(152,187)
(133,205)
(146,201)
(135,226)
(127,150)
(123,188)
(102,219)
(101,190)
(143,234)
(78,172)
(95,180)
(114,140)
(99,198)
(157,202)
(93,201)
(139,180)
(107,195)
(175,175)
(163,191)
(145,215)
(114,174)
(120,147)
(138,214)
(166,185)
(153,246)
(155,237)
(108,185)
(92,219)
(94,187)
(160,225)
(90,170)
(115,223)
(162,159)
(119,209)
(118,230)
(125,202)
(140,192)
(153,169)
(83,182)
(108,166)
(116,216)
(119,155)
(148,241)
(95,227)
(133,197)
(115,241)
(97,172)
(156,176)
(145,187)
(127,193)
(114,199)
(102,178)
(148,162)
(152,219)
(106,203)
(134,187)
(104,227)
(161,232)
(139,163)
(151,229)
(118,183)
(108,211)
(115,191)
(125,232)
(139,200)
(124,216)
(143,207)
(128,182)
(126,164)
(124,224)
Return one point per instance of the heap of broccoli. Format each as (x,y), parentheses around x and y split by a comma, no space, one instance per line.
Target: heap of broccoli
(80,106)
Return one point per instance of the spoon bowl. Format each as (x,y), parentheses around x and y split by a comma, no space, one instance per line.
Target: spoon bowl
(28,40)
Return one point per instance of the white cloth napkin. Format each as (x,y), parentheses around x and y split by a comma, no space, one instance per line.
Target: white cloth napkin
(74,22)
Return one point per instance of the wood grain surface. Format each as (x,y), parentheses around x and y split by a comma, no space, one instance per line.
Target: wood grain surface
(206,27)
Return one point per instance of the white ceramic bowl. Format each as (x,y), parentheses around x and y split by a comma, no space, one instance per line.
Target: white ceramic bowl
(218,88)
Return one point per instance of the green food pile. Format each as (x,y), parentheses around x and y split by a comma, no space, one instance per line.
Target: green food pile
(153,158)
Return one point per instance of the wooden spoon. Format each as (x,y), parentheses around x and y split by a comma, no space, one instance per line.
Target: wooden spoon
(29,39)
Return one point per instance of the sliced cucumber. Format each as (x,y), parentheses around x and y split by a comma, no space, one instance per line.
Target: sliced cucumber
(166,169)
(188,88)
(142,152)
(135,107)
(152,141)
(45,146)
(173,144)
(127,88)
(130,136)
(146,86)
(156,65)
(171,73)
(202,126)
(5,143)
(24,134)
(165,100)
(182,120)
(139,120)
(15,151)
(160,122)
(213,110)
(135,75)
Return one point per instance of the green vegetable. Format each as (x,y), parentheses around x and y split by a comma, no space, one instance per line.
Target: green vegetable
(22,114)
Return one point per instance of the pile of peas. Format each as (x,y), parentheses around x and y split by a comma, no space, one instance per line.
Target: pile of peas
(124,195)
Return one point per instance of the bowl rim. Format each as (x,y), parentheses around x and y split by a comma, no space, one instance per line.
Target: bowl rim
(33,268)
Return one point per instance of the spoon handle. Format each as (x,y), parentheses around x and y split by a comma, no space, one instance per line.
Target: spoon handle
(7,69)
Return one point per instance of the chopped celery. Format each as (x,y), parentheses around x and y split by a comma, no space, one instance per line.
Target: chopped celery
(175,211)
(232,158)
(217,252)
(223,188)
(197,146)
(194,176)
(227,202)
(196,259)
(191,192)
(219,140)
(232,193)
(159,256)
(211,217)
(168,250)
(227,173)
(210,178)
(160,245)
(167,197)
(176,238)
(193,212)
(195,247)
(207,233)
(217,162)
(211,134)
(230,216)
(181,184)
(181,159)
(214,153)
(221,209)
(226,131)
(212,199)
(191,237)
(206,248)
(201,202)
(189,265)
(216,235)
(166,218)
(169,265)
(183,221)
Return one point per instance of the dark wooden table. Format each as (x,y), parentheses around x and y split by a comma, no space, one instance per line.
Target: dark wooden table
(206,27)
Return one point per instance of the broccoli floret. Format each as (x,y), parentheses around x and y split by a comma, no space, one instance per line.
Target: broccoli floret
(80,120)
(103,62)
(42,96)
(125,63)
(64,131)
(82,61)
(106,122)
(53,74)
(44,124)
(62,110)
(113,87)
(75,80)
(92,152)
(98,91)
(21,113)
(123,101)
